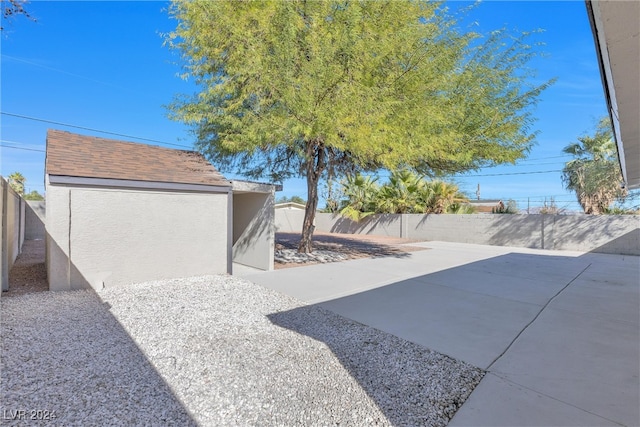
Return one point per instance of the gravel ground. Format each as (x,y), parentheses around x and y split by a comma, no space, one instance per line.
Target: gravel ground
(29,273)
(213,351)
(335,247)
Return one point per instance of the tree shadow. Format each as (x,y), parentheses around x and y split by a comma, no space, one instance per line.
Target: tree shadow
(410,384)
(351,246)
(475,312)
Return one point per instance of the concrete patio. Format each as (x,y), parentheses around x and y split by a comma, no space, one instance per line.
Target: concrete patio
(557,332)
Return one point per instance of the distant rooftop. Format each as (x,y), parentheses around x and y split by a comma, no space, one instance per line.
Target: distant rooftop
(70,154)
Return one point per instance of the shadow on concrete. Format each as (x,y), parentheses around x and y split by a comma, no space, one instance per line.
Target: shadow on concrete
(410,384)
(477,311)
(64,352)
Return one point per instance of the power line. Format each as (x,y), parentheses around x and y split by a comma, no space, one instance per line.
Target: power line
(546,158)
(22,148)
(504,174)
(92,129)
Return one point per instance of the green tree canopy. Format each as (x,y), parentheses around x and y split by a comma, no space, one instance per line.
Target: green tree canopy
(594,173)
(33,195)
(308,88)
(405,193)
(17,181)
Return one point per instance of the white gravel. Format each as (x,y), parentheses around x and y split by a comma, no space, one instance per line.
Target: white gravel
(213,351)
(287,256)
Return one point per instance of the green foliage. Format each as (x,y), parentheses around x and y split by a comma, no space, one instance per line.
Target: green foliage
(405,192)
(616,210)
(510,208)
(33,195)
(461,209)
(310,88)
(17,181)
(360,194)
(594,173)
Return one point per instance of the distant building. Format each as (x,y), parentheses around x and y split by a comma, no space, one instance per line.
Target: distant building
(485,205)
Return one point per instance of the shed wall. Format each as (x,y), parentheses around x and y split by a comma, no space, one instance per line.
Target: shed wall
(253,230)
(101,237)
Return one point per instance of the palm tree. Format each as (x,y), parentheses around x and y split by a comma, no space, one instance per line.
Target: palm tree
(594,174)
(401,194)
(439,196)
(16,181)
(360,192)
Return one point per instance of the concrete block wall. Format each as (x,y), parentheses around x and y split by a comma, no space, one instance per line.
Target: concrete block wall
(615,234)
(35,213)
(12,230)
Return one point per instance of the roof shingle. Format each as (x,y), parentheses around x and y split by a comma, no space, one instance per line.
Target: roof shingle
(70,154)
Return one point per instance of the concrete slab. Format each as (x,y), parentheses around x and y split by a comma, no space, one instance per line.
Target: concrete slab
(497,402)
(571,358)
(241,270)
(579,359)
(320,282)
(468,326)
(467,278)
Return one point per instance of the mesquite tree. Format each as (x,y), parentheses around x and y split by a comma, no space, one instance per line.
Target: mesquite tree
(310,88)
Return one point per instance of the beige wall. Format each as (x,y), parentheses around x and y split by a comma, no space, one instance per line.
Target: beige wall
(289,220)
(253,230)
(616,234)
(112,237)
(12,230)
(35,214)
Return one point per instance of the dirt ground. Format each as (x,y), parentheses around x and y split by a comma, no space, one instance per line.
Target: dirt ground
(28,273)
(352,245)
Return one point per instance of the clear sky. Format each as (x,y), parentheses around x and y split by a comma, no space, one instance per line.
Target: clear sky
(102,66)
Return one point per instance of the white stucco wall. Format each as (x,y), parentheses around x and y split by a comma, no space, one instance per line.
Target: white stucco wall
(112,236)
(253,230)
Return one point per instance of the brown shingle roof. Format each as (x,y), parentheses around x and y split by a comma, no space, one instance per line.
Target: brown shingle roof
(70,154)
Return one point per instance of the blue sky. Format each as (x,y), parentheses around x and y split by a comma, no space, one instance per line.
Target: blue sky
(102,66)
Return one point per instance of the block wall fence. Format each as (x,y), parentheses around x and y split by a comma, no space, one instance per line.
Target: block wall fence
(612,234)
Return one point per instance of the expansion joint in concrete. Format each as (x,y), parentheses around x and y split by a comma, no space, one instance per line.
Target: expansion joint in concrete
(536,317)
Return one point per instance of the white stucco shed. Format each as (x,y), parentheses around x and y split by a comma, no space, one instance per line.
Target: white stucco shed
(121,212)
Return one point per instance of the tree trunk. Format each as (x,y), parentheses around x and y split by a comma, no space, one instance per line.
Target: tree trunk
(316,162)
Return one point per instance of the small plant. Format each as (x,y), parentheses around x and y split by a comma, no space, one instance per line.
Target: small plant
(510,208)
(616,210)
(550,208)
